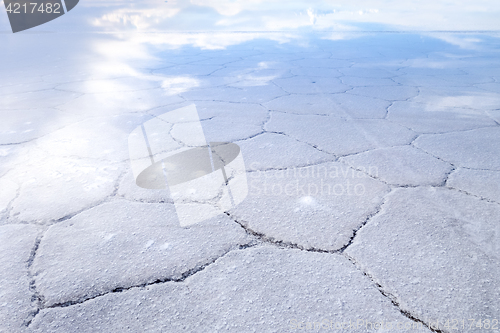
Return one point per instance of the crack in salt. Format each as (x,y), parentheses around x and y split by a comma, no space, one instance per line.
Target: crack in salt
(393,299)
(366,221)
(263,238)
(181,279)
(37,298)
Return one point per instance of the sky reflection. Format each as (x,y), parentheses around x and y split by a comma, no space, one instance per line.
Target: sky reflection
(274,15)
(316,15)
(217,24)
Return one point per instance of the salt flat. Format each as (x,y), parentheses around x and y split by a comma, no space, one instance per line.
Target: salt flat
(373,170)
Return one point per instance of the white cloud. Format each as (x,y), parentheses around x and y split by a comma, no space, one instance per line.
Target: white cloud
(231,7)
(140,19)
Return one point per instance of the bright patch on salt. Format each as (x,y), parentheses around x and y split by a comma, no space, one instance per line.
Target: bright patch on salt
(307,200)
(109,236)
